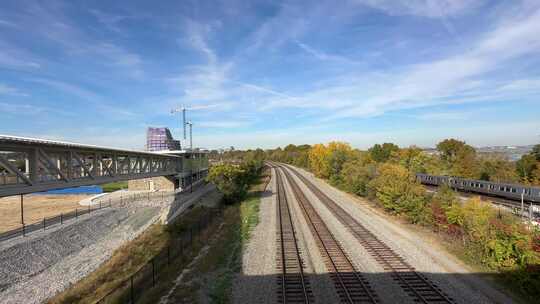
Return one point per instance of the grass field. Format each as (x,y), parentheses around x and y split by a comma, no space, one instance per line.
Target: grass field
(111,187)
(35,208)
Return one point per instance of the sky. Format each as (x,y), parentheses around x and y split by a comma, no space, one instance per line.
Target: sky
(269,73)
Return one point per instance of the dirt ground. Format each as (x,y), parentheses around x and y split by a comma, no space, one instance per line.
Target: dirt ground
(35,208)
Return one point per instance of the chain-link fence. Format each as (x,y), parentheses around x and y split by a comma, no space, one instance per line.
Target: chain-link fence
(132,289)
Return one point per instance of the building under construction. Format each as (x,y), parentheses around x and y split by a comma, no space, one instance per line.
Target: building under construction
(194,163)
(160,139)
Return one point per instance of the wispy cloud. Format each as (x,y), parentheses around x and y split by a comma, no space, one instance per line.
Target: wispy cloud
(223,124)
(426,8)
(8,90)
(449,80)
(445,116)
(110,21)
(97,101)
(7,23)
(323,55)
(197,37)
(14,61)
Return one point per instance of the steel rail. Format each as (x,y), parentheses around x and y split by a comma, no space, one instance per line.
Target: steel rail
(354,287)
(290,253)
(418,286)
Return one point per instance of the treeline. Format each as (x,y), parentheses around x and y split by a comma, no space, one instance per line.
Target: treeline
(452,157)
(233,179)
(386,175)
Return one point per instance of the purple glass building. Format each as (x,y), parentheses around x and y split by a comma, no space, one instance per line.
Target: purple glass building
(160,139)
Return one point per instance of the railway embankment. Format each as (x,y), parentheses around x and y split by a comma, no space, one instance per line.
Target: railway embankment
(42,264)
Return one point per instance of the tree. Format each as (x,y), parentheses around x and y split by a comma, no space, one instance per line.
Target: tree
(398,191)
(536,152)
(230,180)
(460,158)
(381,153)
(497,170)
(449,149)
(356,175)
(317,160)
(415,160)
(526,167)
(338,154)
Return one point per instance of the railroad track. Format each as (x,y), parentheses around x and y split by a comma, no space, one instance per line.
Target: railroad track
(350,285)
(294,286)
(415,284)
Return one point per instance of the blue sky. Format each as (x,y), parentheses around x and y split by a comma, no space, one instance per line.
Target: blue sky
(269,73)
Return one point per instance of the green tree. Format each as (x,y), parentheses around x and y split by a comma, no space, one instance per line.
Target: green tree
(497,170)
(536,152)
(449,149)
(459,157)
(230,180)
(356,175)
(398,191)
(526,167)
(415,160)
(381,153)
(338,154)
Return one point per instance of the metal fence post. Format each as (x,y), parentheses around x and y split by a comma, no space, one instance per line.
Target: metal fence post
(99,204)
(131,290)
(61,218)
(43,224)
(76,213)
(181,248)
(23,230)
(153,273)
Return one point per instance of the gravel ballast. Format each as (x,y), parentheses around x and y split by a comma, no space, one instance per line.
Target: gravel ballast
(452,276)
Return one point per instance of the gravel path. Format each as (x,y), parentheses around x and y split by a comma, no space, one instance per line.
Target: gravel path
(425,255)
(257,281)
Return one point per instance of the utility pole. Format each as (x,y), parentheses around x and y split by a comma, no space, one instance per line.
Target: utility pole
(191,156)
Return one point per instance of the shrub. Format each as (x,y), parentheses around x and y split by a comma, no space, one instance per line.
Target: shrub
(399,192)
(355,177)
(231,180)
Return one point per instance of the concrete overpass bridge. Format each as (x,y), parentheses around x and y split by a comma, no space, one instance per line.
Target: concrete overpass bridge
(30,165)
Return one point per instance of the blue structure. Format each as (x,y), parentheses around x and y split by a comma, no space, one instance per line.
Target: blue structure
(76,190)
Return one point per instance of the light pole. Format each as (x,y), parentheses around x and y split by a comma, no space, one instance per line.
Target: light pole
(183,110)
(190,124)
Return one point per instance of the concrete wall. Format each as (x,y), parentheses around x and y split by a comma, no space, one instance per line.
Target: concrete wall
(160,183)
